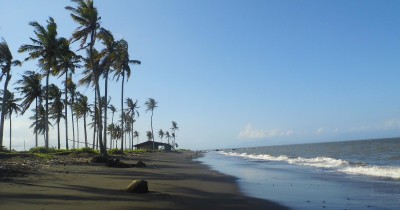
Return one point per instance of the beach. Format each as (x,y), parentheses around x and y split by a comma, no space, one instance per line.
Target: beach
(175,181)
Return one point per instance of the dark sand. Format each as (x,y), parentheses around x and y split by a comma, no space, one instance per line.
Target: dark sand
(175,182)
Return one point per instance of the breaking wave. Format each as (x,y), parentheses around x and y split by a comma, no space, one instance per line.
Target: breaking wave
(327,163)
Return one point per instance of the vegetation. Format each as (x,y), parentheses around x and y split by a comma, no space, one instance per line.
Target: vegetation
(99,57)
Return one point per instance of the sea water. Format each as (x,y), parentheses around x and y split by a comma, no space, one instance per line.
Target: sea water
(336,175)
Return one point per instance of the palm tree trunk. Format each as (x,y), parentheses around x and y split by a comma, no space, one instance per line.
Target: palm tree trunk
(36,121)
(47,110)
(151,123)
(95,119)
(84,127)
(122,111)
(73,123)
(103,151)
(105,109)
(3,107)
(66,109)
(10,130)
(77,132)
(58,132)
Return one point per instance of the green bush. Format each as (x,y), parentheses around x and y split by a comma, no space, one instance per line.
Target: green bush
(42,150)
(44,156)
(115,152)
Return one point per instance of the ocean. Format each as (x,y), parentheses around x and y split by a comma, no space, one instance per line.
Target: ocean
(361,174)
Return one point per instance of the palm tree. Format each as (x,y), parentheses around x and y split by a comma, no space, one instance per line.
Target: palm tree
(136,135)
(108,58)
(161,134)
(47,47)
(30,89)
(6,61)
(151,104)
(86,15)
(167,135)
(122,68)
(82,108)
(149,135)
(11,106)
(67,62)
(39,125)
(56,109)
(174,128)
(71,89)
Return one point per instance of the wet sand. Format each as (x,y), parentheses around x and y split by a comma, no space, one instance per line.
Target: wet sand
(175,180)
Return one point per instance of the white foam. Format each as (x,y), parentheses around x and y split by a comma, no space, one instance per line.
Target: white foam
(326,162)
(378,171)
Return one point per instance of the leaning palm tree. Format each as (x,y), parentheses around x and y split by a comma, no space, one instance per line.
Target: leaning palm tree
(6,61)
(122,68)
(47,47)
(56,108)
(30,89)
(151,104)
(161,134)
(12,106)
(86,15)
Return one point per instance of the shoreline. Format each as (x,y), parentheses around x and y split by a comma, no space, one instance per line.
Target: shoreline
(175,180)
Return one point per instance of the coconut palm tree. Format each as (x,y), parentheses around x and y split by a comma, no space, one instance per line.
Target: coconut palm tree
(108,58)
(136,135)
(47,47)
(86,15)
(149,135)
(31,90)
(122,68)
(39,125)
(56,108)
(12,106)
(167,135)
(161,134)
(66,65)
(151,104)
(82,109)
(6,61)
(174,128)
(71,89)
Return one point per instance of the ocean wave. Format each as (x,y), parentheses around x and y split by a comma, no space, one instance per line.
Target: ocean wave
(327,163)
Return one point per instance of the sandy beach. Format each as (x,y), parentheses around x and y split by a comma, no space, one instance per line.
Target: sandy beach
(175,180)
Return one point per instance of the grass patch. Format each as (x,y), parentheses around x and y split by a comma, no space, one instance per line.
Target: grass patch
(115,152)
(44,156)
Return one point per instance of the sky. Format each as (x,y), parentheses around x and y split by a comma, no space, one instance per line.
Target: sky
(236,73)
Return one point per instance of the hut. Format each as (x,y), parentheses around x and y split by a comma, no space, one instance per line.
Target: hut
(157,145)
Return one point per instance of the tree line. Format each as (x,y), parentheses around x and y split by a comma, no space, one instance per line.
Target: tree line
(104,58)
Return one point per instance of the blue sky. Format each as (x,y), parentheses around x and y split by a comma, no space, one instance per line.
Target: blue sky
(235,72)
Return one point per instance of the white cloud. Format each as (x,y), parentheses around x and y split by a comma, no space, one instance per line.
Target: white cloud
(319,131)
(252,133)
(391,124)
